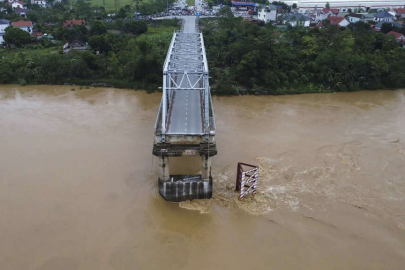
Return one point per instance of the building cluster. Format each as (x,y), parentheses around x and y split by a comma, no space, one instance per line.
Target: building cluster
(35,34)
(319,17)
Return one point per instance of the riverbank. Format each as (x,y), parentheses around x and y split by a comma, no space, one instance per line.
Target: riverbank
(151,88)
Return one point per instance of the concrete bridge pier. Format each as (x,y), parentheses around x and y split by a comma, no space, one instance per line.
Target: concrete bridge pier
(206,167)
(164,172)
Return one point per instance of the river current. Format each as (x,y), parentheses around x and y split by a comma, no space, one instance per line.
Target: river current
(78,183)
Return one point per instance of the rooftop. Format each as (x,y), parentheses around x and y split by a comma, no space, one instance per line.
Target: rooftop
(396,34)
(70,23)
(355,15)
(22,24)
(297,17)
(335,20)
(383,14)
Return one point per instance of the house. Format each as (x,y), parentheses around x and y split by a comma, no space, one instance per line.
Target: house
(23,25)
(400,12)
(3,25)
(322,14)
(330,12)
(383,16)
(319,15)
(267,14)
(35,34)
(368,17)
(16,4)
(339,21)
(71,23)
(399,37)
(41,3)
(379,25)
(74,45)
(21,12)
(297,20)
(353,17)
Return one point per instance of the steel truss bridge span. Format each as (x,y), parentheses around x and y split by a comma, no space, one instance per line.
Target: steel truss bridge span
(185,124)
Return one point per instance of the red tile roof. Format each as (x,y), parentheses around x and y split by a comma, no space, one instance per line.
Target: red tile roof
(334,10)
(335,20)
(36,34)
(22,24)
(396,34)
(70,23)
(400,10)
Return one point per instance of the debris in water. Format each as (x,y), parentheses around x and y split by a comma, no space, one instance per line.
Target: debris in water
(246,180)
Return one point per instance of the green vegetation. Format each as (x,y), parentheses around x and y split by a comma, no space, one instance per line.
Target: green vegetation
(17,36)
(132,60)
(190,3)
(109,5)
(245,57)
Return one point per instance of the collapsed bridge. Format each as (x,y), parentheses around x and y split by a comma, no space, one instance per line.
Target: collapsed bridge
(185,125)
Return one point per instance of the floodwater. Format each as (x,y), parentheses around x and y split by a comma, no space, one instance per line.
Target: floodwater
(78,183)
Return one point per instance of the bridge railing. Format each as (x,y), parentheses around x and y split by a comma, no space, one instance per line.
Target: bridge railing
(186,68)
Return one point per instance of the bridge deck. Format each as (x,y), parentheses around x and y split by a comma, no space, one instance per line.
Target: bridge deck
(185,112)
(186,117)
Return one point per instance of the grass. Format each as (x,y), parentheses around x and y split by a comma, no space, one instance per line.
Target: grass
(190,3)
(160,30)
(110,4)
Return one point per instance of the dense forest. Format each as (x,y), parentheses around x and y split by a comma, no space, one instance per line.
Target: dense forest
(246,57)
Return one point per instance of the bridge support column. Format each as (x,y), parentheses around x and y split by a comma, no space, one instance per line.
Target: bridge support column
(205,167)
(164,173)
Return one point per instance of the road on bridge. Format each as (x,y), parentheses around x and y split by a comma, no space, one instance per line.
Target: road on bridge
(186,114)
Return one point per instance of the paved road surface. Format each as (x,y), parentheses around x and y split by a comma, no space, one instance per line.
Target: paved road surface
(185,117)
(189,24)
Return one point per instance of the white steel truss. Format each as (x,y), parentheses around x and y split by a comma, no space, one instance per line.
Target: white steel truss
(186,68)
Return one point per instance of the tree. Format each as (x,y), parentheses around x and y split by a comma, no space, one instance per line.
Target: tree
(225,12)
(135,27)
(16,36)
(122,13)
(90,59)
(98,28)
(100,43)
(386,27)
(294,6)
(327,5)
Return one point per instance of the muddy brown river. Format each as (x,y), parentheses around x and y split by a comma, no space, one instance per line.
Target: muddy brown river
(78,183)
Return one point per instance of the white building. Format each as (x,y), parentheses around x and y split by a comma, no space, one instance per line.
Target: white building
(3,25)
(41,3)
(383,16)
(23,25)
(267,14)
(297,20)
(344,5)
(353,17)
(322,14)
(16,4)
